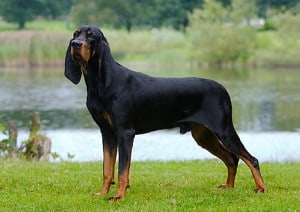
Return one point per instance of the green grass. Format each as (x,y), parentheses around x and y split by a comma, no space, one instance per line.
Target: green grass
(40,25)
(52,26)
(155,186)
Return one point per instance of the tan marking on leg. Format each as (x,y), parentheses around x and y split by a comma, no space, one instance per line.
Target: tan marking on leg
(198,131)
(107,117)
(260,186)
(109,160)
(206,139)
(230,178)
(123,185)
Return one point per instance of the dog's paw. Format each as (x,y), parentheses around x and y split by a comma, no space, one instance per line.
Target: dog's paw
(98,193)
(261,190)
(114,199)
(225,186)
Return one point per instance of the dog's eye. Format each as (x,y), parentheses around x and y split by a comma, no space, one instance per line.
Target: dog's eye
(89,33)
(76,33)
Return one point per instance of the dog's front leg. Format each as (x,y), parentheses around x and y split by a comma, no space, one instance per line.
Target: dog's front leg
(109,159)
(125,144)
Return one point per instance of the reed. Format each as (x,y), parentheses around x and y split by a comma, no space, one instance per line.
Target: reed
(157,46)
(32,48)
(39,48)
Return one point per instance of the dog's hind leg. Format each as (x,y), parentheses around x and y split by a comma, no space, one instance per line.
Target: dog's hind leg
(231,141)
(207,140)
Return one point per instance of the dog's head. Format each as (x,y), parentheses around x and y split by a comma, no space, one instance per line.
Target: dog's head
(87,44)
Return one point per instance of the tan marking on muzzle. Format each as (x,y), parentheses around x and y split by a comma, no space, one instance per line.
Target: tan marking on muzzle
(85,52)
(82,54)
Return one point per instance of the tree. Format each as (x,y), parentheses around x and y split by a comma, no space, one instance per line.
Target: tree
(117,13)
(20,11)
(56,8)
(79,13)
(172,13)
(216,38)
(265,5)
(242,10)
(125,12)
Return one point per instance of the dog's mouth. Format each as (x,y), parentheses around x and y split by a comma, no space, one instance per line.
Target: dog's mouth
(76,54)
(80,51)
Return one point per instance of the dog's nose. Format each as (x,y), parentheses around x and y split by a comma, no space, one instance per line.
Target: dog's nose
(76,43)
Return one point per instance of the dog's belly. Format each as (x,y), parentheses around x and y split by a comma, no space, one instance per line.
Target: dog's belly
(159,120)
(152,126)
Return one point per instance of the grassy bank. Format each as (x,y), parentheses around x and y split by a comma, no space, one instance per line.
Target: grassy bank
(156,186)
(45,43)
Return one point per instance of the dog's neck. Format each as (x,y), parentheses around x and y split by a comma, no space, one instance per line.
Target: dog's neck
(92,78)
(96,91)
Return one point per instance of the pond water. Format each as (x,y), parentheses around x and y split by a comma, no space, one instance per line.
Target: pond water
(265,110)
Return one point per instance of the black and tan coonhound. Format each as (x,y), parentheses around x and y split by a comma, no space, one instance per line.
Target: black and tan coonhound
(125,103)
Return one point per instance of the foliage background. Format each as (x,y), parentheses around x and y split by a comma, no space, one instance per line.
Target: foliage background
(133,13)
(202,32)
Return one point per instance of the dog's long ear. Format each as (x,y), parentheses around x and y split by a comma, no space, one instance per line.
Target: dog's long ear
(72,67)
(105,62)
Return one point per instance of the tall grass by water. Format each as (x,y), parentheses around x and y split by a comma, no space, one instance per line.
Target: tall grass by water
(45,43)
(155,186)
(32,48)
(38,48)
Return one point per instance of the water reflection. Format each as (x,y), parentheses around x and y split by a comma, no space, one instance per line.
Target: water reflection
(262,100)
(170,145)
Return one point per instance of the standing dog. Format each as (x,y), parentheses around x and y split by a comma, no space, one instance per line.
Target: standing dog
(124,103)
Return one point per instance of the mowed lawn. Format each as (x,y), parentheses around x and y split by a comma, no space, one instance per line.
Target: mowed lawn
(155,186)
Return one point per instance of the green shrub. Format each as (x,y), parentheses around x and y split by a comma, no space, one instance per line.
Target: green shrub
(279,47)
(217,40)
(268,25)
(220,45)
